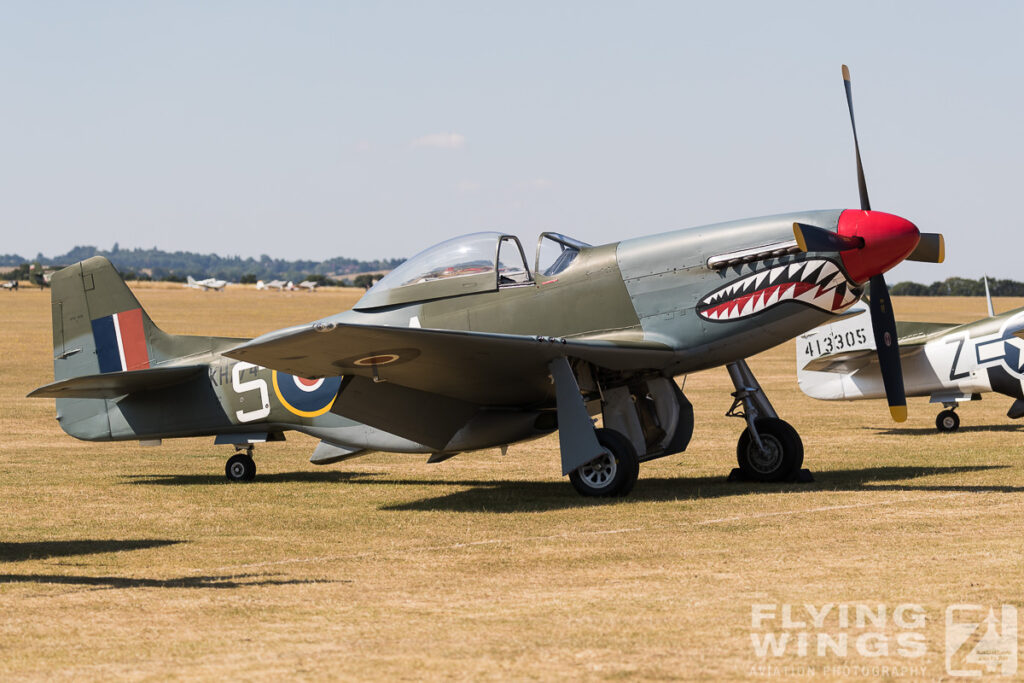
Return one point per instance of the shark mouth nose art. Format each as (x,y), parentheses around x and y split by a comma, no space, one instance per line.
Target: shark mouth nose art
(814,282)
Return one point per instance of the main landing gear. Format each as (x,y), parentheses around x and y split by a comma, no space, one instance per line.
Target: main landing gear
(241,466)
(645,417)
(769,449)
(612,473)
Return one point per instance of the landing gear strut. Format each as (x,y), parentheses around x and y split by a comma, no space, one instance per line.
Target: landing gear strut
(241,466)
(947,420)
(769,449)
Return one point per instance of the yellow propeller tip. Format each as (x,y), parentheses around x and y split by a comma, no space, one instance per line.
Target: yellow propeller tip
(942,249)
(899,413)
(846,73)
(799,235)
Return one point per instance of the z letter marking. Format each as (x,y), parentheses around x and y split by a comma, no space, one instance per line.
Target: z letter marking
(241,387)
(953,374)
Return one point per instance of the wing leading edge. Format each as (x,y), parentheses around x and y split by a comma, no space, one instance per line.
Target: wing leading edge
(476,367)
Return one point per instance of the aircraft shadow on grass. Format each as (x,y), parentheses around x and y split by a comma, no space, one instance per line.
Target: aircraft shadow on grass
(232,581)
(518,496)
(41,550)
(329,476)
(510,496)
(930,431)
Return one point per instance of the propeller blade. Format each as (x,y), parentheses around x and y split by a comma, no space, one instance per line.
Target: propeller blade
(931,248)
(865,203)
(883,324)
(813,238)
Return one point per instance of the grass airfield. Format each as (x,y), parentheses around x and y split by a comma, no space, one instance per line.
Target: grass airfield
(118,561)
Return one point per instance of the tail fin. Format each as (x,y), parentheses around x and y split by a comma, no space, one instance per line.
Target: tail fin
(102,336)
(191,281)
(98,324)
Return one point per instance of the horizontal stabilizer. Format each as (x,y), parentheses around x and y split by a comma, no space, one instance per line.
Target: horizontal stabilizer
(114,384)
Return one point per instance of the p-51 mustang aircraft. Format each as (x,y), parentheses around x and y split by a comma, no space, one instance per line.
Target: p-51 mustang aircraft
(465,347)
(951,363)
(207,284)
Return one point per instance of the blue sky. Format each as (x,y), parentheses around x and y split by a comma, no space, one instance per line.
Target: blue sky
(307,130)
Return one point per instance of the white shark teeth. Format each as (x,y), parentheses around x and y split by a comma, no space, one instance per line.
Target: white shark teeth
(816,282)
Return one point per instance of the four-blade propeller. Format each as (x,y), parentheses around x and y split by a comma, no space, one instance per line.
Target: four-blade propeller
(929,248)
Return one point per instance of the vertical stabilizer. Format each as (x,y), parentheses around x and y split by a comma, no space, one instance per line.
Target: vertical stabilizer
(98,324)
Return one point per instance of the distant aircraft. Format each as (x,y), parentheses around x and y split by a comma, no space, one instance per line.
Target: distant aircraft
(279,285)
(207,284)
(465,347)
(309,285)
(38,275)
(10,284)
(951,363)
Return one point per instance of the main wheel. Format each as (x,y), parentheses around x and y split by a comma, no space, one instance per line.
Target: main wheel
(240,467)
(947,421)
(609,474)
(782,456)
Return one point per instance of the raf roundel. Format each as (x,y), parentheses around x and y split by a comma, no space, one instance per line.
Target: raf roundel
(306,397)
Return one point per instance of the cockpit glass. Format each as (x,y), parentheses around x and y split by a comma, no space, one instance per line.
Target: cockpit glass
(556,252)
(458,257)
(512,269)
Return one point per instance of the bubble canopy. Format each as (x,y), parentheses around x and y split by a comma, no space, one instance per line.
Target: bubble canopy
(478,262)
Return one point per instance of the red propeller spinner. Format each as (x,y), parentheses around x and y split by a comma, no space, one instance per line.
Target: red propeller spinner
(887,239)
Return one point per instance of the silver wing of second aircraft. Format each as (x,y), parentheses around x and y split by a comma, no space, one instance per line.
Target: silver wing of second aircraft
(948,363)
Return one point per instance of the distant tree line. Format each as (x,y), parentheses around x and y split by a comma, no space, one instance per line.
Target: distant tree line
(155,264)
(958,286)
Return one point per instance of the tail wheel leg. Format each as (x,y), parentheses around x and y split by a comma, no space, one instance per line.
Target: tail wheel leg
(241,466)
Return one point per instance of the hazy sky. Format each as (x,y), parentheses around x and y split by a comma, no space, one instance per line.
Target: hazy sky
(373,129)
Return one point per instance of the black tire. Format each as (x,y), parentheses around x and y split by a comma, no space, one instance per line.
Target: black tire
(947,421)
(240,467)
(607,476)
(784,456)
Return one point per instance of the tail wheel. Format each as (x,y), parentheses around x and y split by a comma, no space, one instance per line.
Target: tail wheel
(781,457)
(240,467)
(947,421)
(610,474)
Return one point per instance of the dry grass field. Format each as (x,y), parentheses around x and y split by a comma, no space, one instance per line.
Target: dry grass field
(127,562)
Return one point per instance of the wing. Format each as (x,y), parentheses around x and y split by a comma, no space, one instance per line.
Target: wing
(846,362)
(475,367)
